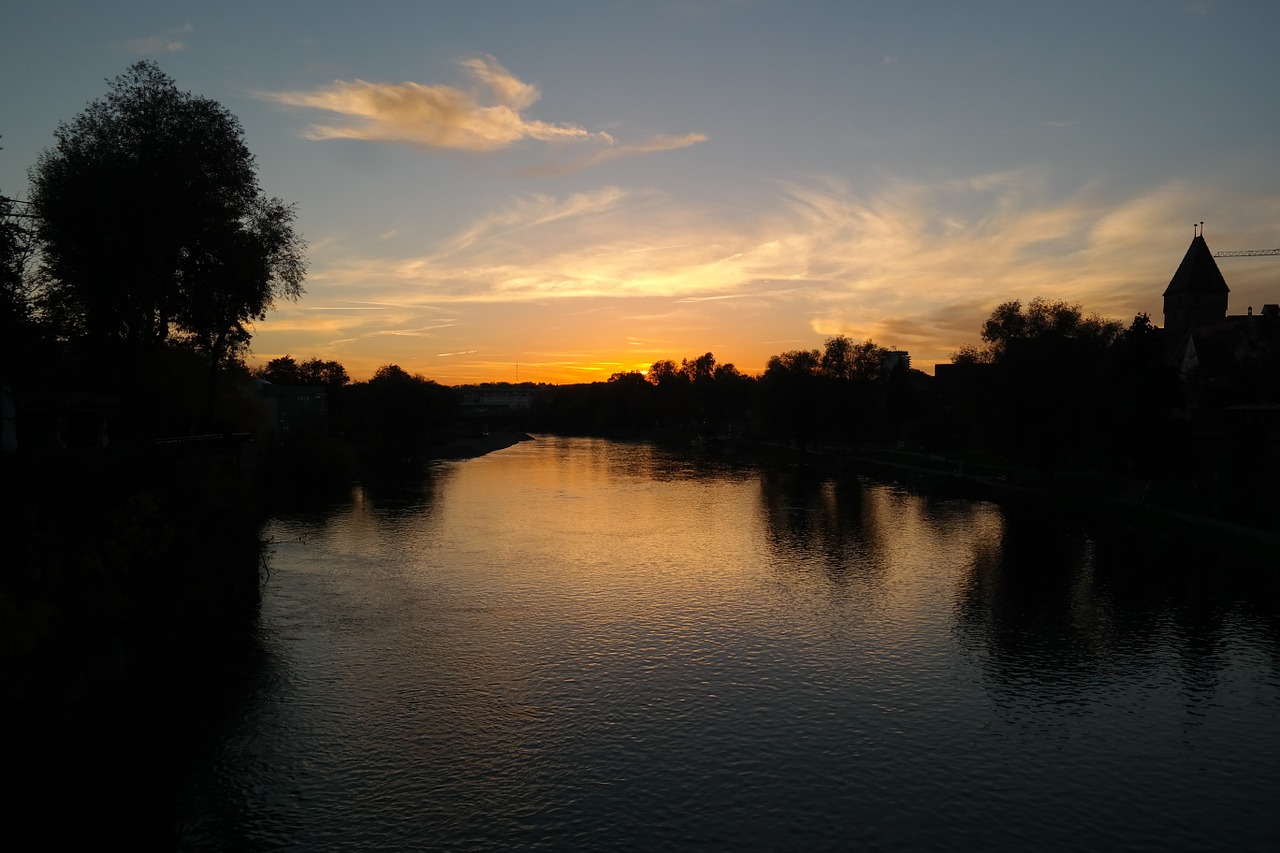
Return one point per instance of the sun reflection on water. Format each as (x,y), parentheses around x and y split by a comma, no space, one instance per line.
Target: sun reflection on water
(599,645)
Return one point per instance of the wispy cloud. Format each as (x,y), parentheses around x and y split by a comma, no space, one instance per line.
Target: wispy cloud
(713,298)
(422,332)
(533,211)
(170,41)
(487,116)
(913,264)
(615,152)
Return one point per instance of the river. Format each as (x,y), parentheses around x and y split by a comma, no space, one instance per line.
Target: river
(589,645)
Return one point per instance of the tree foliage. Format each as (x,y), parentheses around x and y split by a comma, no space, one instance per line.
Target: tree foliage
(861,361)
(788,393)
(285,370)
(15,303)
(16,283)
(395,413)
(700,393)
(1054,373)
(1040,322)
(153,226)
(331,374)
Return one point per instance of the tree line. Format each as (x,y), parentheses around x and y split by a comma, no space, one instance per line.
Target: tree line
(1049,387)
(131,278)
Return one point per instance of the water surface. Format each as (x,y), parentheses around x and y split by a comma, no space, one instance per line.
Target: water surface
(581,644)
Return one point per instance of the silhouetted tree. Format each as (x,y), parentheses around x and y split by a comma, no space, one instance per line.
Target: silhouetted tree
(630,401)
(850,372)
(1052,362)
(971,354)
(1041,320)
(701,368)
(330,374)
(285,370)
(789,394)
(674,398)
(701,373)
(282,371)
(869,362)
(153,226)
(395,412)
(1143,391)
(732,393)
(16,306)
(700,393)
(837,358)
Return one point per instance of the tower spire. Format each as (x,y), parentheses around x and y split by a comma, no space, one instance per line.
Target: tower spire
(1197,293)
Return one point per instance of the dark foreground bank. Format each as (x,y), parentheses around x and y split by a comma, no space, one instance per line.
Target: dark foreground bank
(130,585)
(128,601)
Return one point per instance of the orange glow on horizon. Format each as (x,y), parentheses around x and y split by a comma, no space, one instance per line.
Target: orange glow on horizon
(475,372)
(577,287)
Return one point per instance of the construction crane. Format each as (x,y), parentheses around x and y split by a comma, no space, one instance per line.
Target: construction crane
(1247,253)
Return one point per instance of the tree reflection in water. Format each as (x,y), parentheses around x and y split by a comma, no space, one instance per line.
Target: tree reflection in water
(1101,608)
(590,644)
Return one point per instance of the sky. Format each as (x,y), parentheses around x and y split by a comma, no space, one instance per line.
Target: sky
(559,191)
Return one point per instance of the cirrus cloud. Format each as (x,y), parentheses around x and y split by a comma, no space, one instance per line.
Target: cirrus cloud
(634,275)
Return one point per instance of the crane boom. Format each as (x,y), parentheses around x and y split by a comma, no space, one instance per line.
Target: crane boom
(1247,253)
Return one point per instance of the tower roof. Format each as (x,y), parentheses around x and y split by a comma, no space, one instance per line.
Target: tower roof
(1198,272)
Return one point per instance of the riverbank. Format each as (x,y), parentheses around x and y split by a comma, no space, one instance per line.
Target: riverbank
(319,470)
(1097,497)
(471,446)
(1117,504)
(128,594)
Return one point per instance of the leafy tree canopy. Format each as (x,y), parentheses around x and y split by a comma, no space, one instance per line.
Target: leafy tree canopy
(16,284)
(314,371)
(666,372)
(701,371)
(14,248)
(152,223)
(1039,321)
(843,358)
(394,374)
(281,371)
(794,363)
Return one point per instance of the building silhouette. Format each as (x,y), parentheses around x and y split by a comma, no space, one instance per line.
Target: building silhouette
(1197,293)
(1200,336)
(1228,367)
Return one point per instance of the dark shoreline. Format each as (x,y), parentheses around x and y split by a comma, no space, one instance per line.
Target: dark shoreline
(129,604)
(469,447)
(1109,504)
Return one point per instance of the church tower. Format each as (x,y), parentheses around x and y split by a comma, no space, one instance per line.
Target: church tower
(1197,293)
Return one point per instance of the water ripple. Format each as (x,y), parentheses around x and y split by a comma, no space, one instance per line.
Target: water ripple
(576,644)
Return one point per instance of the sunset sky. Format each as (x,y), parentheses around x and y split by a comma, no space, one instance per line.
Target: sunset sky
(557,191)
